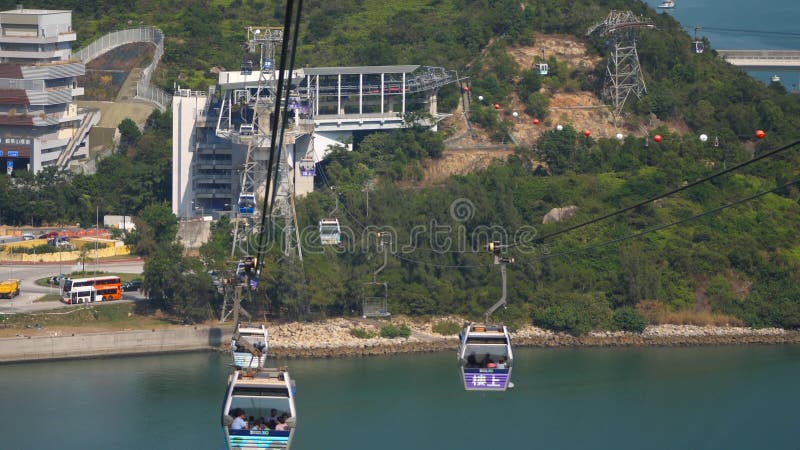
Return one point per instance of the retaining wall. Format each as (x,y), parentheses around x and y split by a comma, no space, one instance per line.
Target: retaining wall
(187,338)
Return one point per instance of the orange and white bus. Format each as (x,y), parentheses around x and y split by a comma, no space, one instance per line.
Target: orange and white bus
(101,289)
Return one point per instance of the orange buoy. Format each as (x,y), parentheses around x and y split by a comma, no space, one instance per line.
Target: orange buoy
(760,134)
(587,133)
(536,121)
(466,89)
(657,138)
(496,106)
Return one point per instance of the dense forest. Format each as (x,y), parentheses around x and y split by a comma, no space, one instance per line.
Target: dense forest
(740,265)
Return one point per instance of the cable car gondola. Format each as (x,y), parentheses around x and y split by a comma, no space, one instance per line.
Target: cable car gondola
(543,68)
(330,232)
(485,356)
(249,346)
(247,203)
(246,68)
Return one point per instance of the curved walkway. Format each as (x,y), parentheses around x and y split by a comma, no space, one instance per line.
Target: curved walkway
(144,91)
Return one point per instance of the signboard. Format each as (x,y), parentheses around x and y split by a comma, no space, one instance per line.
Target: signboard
(9,167)
(486,379)
(13,154)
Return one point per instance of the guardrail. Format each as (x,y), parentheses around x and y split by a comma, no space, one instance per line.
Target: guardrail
(144,91)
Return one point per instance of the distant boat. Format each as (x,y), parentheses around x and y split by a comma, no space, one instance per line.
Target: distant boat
(775,79)
(667,4)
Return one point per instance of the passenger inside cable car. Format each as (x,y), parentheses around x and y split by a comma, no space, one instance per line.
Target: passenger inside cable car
(247,204)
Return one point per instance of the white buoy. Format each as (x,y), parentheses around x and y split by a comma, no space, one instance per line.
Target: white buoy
(515,114)
(703,137)
(620,136)
(480,98)
(559,127)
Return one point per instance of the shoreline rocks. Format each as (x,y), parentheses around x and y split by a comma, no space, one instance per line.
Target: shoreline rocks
(332,339)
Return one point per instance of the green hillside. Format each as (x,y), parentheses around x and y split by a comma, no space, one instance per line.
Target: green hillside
(742,264)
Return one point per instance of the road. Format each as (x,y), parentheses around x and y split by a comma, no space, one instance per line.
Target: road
(30,291)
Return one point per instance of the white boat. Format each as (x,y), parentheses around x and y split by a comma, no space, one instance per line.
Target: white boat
(249,347)
(775,79)
(667,4)
(255,393)
(485,357)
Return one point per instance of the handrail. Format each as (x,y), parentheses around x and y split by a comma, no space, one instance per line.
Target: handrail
(144,91)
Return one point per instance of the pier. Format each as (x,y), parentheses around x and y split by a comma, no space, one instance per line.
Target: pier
(762,59)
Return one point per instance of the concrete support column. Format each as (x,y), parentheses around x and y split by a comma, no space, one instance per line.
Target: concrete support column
(433,103)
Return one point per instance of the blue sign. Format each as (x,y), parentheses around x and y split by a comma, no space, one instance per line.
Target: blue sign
(9,167)
(13,154)
(1,153)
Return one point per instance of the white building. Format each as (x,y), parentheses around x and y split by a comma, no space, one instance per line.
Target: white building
(39,121)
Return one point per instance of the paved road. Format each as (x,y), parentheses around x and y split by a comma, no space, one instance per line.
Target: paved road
(30,291)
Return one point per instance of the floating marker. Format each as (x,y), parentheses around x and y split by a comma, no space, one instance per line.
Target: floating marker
(536,121)
(703,137)
(760,134)
(619,136)
(587,133)
(657,138)
(496,106)
(559,127)
(480,98)
(515,114)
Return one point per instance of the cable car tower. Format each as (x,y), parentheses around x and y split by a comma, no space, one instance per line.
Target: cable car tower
(623,73)
(265,41)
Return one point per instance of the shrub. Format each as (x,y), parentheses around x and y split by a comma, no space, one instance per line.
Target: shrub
(628,319)
(361,333)
(391,331)
(575,314)
(446,327)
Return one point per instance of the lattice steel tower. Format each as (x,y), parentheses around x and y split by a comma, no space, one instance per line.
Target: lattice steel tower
(623,74)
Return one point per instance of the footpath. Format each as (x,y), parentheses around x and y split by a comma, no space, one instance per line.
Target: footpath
(332,338)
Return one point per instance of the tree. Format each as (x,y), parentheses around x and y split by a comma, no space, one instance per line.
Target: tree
(129,134)
(156,227)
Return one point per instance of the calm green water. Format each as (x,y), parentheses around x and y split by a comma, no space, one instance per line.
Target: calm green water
(696,398)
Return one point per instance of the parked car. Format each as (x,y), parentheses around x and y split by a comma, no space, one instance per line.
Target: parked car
(134,285)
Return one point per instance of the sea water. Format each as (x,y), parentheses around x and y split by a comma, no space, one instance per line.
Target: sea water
(741,397)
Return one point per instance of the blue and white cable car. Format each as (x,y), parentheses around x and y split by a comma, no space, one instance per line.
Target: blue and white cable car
(329,232)
(247,203)
(543,68)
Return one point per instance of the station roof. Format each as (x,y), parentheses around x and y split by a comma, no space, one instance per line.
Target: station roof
(359,70)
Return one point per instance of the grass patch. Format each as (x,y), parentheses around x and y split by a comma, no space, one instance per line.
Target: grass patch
(361,333)
(48,298)
(657,314)
(446,328)
(391,331)
(101,316)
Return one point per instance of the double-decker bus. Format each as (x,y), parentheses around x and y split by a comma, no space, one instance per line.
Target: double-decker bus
(91,289)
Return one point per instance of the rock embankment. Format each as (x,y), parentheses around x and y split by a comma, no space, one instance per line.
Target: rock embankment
(332,338)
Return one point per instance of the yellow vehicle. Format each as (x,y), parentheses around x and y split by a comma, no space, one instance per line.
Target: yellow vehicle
(9,289)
